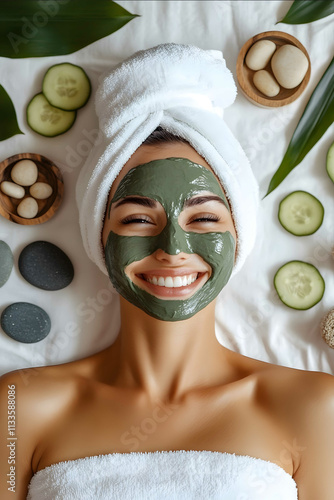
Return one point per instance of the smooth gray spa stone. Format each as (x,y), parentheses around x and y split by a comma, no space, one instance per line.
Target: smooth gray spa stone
(6,262)
(45,266)
(25,322)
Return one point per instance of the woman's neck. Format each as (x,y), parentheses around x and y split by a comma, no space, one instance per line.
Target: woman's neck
(167,360)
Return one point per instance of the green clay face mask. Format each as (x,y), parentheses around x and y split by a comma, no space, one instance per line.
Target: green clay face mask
(171,182)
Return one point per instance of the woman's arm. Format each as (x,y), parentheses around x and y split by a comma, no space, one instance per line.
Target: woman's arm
(42,396)
(315,474)
(16,438)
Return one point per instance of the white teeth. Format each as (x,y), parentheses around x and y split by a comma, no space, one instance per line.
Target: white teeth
(177,281)
(170,282)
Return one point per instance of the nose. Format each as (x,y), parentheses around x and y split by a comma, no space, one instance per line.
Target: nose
(172,241)
(166,258)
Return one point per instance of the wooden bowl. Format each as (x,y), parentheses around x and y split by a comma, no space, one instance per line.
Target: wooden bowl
(47,172)
(245,75)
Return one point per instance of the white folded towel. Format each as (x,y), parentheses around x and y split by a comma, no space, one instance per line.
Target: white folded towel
(184,89)
(167,475)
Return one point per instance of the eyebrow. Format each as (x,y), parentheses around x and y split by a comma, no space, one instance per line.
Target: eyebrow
(144,202)
(202,199)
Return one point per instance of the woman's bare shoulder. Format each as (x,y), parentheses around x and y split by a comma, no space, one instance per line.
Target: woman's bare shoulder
(42,394)
(311,397)
(42,376)
(309,407)
(294,388)
(292,395)
(302,404)
(43,383)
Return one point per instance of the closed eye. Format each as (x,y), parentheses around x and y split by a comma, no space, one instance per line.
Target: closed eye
(136,220)
(206,218)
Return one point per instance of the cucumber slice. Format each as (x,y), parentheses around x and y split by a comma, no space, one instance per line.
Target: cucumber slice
(66,86)
(299,285)
(301,213)
(330,162)
(47,120)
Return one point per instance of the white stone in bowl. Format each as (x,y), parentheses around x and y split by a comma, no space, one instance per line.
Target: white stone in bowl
(41,190)
(259,54)
(13,190)
(24,172)
(289,65)
(28,208)
(266,83)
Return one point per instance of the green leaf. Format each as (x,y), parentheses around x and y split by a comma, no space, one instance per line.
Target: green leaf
(306,11)
(8,121)
(317,117)
(38,28)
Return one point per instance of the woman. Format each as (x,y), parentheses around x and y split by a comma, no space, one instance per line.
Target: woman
(170,385)
(233,427)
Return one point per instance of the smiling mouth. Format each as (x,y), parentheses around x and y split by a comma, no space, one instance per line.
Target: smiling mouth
(171,281)
(173,286)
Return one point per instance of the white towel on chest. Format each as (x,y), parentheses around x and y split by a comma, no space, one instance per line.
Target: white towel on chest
(185,90)
(168,475)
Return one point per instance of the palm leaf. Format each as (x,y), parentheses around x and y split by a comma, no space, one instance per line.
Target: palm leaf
(8,121)
(38,28)
(306,11)
(317,117)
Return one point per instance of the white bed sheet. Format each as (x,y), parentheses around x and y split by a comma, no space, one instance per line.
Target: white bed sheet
(250,318)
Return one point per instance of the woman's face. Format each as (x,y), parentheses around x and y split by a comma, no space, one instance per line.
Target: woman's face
(168,232)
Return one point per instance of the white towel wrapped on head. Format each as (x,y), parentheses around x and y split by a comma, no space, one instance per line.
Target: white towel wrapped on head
(185,90)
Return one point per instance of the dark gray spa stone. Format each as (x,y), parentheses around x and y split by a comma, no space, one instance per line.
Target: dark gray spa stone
(45,266)
(25,322)
(6,262)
